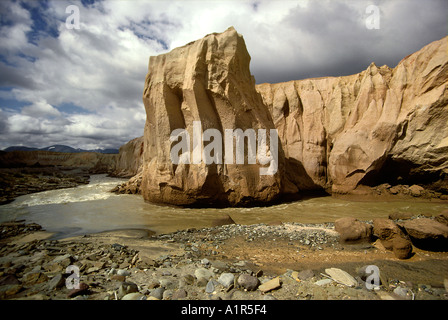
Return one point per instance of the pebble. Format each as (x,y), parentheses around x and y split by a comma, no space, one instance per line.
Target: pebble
(184,277)
(56,282)
(323,282)
(248,282)
(270,285)
(305,274)
(157,293)
(134,296)
(401,292)
(341,276)
(210,287)
(168,283)
(122,272)
(179,294)
(167,294)
(202,273)
(83,289)
(125,288)
(226,279)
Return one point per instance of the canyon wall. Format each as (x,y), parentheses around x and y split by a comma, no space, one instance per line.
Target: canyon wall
(383,124)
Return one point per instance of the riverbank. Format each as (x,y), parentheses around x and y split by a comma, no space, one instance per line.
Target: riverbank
(16,182)
(230,262)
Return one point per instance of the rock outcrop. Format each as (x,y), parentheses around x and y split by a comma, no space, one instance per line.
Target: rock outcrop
(381,124)
(129,159)
(339,134)
(203,85)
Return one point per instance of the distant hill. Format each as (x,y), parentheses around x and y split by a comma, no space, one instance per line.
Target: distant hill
(60,148)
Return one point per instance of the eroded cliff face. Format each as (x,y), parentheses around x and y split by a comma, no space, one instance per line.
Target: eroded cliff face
(206,82)
(379,125)
(130,157)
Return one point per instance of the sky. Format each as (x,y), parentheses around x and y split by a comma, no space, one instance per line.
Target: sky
(77,79)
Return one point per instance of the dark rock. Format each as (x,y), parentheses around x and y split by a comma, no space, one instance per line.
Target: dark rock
(248,282)
(427,234)
(9,279)
(222,221)
(83,289)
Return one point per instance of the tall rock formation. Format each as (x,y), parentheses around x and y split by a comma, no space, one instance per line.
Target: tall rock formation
(203,85)
(381,124)
(335,133)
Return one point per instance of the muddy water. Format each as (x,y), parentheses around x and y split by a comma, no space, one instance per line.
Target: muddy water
(91,208)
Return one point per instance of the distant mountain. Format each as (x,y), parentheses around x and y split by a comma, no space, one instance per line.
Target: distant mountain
(59,148)
(19,148)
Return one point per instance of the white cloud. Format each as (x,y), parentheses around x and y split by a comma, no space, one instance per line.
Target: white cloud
(40,109)
(102,66)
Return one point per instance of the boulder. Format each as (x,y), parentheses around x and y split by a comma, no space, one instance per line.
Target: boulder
(428,234)
(415,190)
(401,247)
(392,237)
(352,230)
(386,230)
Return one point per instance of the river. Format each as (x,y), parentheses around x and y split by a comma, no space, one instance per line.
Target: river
(92,208)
